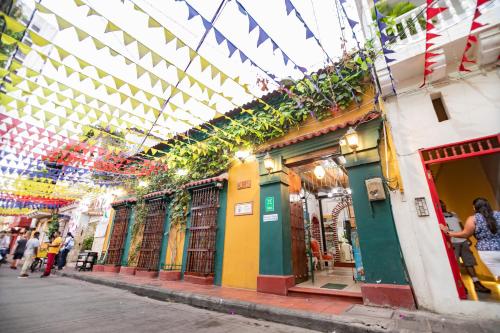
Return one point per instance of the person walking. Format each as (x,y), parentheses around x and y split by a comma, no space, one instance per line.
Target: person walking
(485,226)
(461,248)
(4,246)
(19,250)
(68,244)
(53,251)
(29,254)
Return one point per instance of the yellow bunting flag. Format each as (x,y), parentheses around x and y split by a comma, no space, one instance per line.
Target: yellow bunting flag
(168,36)
(12,24)
(38,40)
(63,54)
(62,23)
(6,39)
(81,34)
(142,50)
(128,39)
(110,27)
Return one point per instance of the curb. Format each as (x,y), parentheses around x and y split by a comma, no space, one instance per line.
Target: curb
(323,323)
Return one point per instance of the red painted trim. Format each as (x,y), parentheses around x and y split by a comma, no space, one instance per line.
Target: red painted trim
(275,284)
(495,139)
(448,247)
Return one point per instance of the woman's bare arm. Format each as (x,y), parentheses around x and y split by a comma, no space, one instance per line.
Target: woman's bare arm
(470,226)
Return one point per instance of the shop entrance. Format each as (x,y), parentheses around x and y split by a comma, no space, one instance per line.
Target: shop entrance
(457,174)
(324,236)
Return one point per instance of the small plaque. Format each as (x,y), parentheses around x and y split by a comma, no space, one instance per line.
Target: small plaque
(270,217)
(244,184)
(244,208)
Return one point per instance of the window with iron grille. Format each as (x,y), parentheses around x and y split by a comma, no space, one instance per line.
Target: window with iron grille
(149,254)
(203,231)
(118,235)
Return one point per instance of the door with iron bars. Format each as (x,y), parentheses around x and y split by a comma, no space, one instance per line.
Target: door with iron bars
(118,235)
(149,255)
(203,231)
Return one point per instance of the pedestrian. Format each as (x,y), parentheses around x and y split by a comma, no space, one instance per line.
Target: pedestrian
(53,251)
(19,250)
(31,249)
(461,248)
(485,226)
(4,246)
(68,244)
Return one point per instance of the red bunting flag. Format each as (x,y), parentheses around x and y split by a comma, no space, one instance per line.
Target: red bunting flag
(471,38)
(431,12)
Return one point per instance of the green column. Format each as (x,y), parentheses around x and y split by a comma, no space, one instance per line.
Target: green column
(382,258)
(164,237)
(220,236)
(275,257)
(186,239)
(128,237)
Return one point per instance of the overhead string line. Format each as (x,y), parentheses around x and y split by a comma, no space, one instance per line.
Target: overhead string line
(263,36)
(154,78)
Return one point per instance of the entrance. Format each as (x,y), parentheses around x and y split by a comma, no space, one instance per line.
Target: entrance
(118,235)
(324,236)
(457,174)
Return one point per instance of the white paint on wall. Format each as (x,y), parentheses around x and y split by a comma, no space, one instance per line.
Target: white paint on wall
(473,105)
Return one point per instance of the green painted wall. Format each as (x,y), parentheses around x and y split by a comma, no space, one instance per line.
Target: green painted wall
(220,236)
(128,237)
(275,257)
(164,236)
(382,257)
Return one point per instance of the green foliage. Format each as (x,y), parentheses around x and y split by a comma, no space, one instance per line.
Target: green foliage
(87,243)
(15,11)
(394,11)
(53,224)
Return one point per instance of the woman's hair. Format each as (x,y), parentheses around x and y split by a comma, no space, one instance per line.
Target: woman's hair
(482,206)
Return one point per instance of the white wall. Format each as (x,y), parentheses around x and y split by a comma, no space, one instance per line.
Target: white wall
(473,105)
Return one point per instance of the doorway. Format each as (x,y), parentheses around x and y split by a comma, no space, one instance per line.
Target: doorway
(457,174)
(324,235)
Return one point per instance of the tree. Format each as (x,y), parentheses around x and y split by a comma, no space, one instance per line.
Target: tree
(14,10)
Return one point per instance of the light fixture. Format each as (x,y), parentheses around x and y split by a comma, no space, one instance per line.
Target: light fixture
(352,138)
(242,154)
(181,172)
(319,172)
(268,163)
(342,160)
(143,183)
(348,191)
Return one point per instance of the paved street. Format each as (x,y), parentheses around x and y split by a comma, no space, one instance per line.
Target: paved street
(59,304)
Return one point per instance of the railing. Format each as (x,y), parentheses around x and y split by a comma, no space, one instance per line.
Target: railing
(410,27)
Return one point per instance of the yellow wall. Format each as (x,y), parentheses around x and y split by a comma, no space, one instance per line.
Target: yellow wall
(458,184)
(175,242)
(108,230)
(241,245)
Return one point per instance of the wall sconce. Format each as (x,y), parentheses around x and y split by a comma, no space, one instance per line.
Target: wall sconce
(319,172)
(352,138)
(268,163)
(242,155)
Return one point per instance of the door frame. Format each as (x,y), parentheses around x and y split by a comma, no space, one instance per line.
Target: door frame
(452,152)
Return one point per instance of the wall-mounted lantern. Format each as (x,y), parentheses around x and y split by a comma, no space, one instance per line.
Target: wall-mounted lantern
(242,155)
(319,172)
(352,138)
(268,163)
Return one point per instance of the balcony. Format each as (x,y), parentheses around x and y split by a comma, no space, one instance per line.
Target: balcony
(407,39)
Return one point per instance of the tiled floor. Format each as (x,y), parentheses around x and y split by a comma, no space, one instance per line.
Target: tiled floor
(325,306)
(339,275)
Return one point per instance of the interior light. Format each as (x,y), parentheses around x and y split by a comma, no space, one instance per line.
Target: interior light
(352,138)
(181,172)
(342,160)
(242,154)
(268,163)
(330,195)
(319,172)
(348,190)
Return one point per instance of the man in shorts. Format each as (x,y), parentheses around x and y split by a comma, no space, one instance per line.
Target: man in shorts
(461,248)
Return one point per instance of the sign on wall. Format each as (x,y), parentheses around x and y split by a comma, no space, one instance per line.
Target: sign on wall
(244,184)
(269,204)
(243,208)
(270,217)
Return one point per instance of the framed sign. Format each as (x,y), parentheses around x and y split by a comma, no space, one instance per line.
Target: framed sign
(243,208)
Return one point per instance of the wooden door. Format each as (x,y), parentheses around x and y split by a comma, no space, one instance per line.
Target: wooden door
(118,235)
(149,255)
(299,257)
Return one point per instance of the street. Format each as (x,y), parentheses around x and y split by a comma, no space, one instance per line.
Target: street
(58,304)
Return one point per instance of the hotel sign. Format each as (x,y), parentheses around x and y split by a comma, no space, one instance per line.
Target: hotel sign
(243,208)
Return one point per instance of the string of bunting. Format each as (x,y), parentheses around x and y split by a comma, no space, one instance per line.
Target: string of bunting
(431,12)
(471,38)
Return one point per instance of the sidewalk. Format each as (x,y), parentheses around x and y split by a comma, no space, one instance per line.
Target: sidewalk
(324,315)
